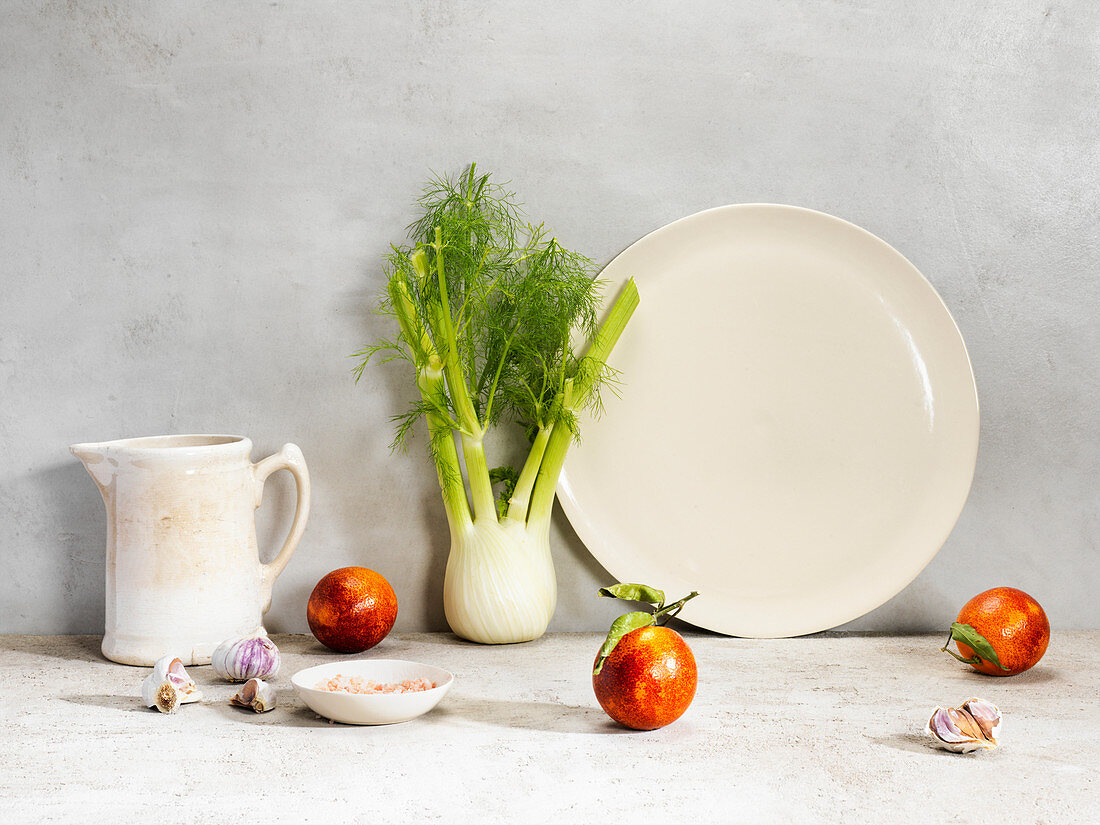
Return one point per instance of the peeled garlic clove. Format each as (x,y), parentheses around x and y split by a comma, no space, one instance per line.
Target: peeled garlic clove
(256,694)
(986,714)
(958,730)
(160,694)
(247,657)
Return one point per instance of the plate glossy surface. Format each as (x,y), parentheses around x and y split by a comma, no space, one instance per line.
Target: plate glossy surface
(372,708)
(797,425)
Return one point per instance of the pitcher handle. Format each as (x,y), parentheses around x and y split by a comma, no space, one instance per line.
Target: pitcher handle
(288,458)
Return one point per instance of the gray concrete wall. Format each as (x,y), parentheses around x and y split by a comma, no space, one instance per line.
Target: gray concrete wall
(194,200)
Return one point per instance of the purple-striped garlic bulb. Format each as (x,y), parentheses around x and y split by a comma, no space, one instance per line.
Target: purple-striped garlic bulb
(248,657)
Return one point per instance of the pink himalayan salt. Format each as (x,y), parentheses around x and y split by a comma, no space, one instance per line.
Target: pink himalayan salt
(354,684)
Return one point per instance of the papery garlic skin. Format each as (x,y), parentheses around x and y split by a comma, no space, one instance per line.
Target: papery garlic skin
(169,686)
(256,694)
(965,729)
(249,657)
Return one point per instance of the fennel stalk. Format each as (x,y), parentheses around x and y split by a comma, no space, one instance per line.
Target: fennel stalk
(486,305)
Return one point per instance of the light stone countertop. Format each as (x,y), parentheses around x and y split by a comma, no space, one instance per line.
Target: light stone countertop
(816,729)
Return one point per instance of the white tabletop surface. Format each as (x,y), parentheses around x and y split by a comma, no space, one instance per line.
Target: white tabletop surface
(817,729)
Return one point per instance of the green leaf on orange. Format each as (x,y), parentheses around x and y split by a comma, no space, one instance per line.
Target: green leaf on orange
(633,593)
(619,628)
(970,637)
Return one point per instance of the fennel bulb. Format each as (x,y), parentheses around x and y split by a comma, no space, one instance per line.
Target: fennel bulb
(486,306)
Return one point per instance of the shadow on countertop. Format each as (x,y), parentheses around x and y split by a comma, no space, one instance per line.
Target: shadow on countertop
(67,648)
(528,715)
(130,704)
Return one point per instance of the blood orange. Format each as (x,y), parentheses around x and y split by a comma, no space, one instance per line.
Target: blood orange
(351,609)
(649,679)
(1001,632)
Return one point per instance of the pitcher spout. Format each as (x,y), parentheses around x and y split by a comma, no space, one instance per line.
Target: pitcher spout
(89,451)
(94,457)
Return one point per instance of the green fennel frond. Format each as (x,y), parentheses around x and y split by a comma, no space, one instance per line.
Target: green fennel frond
(487,306)
(382,351)
(507,476)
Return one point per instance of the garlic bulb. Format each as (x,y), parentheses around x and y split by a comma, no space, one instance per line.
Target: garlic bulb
(168,686)
(972,726)
(256,694)
(248,657)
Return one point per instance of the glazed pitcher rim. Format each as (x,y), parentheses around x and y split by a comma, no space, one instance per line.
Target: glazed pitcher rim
(166,444)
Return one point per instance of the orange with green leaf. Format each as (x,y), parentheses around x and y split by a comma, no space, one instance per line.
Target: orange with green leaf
(1000,632)
(644,676)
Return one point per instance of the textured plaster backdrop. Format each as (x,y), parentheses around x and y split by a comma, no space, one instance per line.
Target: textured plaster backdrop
(195,198)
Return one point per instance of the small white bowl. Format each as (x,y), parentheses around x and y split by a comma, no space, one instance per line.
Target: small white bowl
(372,708)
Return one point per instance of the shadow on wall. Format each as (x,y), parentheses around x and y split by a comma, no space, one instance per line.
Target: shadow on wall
(62,552)
(386,389)
(566,544)
(431,606)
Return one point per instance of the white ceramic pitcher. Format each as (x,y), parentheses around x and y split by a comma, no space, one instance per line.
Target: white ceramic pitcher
(183,568)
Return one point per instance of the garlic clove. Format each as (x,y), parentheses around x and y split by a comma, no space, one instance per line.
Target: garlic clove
(942,727)
(178,676)
(169,686)
(171,668)
(986,714)
(961,731)
(248,657)
(965,724)
(256,694)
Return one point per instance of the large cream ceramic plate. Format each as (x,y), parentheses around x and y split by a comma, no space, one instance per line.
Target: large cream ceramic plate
(797,426)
